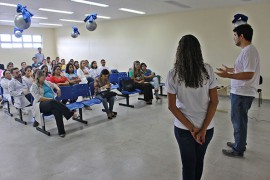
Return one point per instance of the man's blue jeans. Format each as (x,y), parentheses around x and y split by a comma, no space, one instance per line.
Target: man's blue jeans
(239,116)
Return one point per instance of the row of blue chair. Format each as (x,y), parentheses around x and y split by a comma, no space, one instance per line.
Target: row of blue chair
(117,78)
(72,93)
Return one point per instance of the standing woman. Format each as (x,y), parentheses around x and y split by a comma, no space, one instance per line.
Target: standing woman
(192,99)
(44,102)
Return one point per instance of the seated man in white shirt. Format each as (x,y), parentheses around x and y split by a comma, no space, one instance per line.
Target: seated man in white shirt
(103,66)
(19,90)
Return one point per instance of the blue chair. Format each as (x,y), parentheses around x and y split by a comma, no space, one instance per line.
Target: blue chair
(83,90)
(126,93)
(5,101)
(114,71)
(114,78)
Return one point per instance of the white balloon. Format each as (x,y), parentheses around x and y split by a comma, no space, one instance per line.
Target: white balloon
(74,35)
(91,26)
(18,34)
(20,23)
(239,22)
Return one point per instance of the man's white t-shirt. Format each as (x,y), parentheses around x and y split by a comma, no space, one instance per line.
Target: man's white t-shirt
(247,61)
(101,68)
(193,103)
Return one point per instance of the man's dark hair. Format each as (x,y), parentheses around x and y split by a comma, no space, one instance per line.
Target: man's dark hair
(22,63)
(105,72)
(246,30)
(13,69)
(10,63)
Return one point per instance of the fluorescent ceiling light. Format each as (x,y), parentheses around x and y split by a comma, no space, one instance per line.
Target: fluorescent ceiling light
(90,3)
(6,21)
(70,20)
(49,24)
(132,11)
(7,4)
(36,17)
(56,11)
(101,17)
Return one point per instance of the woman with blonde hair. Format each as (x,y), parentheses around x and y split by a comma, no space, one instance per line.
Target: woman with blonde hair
(44,101)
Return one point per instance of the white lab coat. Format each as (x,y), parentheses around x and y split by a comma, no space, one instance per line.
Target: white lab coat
(18,90)
(38,92)
(4,85)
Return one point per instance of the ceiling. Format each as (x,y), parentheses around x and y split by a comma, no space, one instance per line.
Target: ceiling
(150,7)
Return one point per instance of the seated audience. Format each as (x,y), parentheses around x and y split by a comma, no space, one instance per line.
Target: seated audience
(49,64)
(103,66)
(10,66)
(137,75)
(44,62)
(102,87)
(28,76)
(23,66)
(19,90)
(57,59)
(76,66)
(44,102)
(63,64)
(83,74)
(149,76)
(45,70)
(36,64)
(6,78)
(73,78)
(71,61)
(52,65)
(94,72)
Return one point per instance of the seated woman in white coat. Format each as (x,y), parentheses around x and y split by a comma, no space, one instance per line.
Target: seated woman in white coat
(44,101)
(4,84)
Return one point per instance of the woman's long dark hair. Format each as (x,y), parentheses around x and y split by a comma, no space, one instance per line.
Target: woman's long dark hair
(67,68)
(189,66)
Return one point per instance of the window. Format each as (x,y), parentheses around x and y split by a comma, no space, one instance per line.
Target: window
(26,41)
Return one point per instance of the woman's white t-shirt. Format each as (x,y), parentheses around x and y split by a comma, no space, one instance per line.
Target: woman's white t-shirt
(192,102)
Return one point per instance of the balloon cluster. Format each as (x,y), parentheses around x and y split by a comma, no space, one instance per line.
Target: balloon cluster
(91,24)
(75,32)
(22,20)
(239,19)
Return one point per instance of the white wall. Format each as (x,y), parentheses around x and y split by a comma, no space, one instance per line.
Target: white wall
(25,54)
(154,39)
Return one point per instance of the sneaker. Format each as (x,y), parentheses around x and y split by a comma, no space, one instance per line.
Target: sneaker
(35,124)
(62,135)
(231,144)
(232,153)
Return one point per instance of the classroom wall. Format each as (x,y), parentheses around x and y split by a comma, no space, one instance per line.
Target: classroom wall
(25,54)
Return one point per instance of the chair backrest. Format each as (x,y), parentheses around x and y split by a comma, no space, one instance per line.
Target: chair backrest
(66,93)
(122,74)
(114,71)
(114,78)
(120,79)
(80,90)
(261,80)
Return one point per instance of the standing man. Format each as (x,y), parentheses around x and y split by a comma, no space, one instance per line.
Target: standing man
(244,83)
(40,56)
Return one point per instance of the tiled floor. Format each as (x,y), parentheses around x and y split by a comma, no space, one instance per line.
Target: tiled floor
(138,145)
